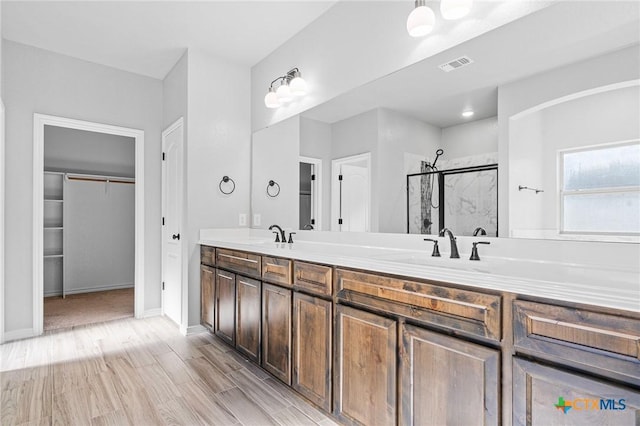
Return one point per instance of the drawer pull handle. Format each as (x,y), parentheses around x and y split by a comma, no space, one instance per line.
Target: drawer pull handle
(224,276)
(238,258)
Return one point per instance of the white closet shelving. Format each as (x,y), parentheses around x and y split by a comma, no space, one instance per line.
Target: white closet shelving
(53,233)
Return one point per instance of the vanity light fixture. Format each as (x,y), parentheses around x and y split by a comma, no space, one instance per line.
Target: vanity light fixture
(421,20)
(467,113)
(291,85)
(455,9)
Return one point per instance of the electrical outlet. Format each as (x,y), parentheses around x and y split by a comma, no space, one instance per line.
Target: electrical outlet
(242,219)
(257,219)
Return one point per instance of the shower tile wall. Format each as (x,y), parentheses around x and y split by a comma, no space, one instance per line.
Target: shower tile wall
(471,199)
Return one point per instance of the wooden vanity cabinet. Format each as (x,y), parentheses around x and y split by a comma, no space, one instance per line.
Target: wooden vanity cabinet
(312,331)
(364,377)
(225,306)
(276,331)
(248,293)
(445,380)
(537,390)
(207,292)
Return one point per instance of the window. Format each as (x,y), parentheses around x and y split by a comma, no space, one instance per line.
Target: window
(600,190)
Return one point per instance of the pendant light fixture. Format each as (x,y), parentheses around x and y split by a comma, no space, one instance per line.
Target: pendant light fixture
(421,20)
(455,9)
(292,85)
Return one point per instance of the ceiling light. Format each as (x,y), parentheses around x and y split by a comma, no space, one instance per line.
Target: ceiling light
(455,9)
(421,20)
(467,114)
(271,99)
(291,85)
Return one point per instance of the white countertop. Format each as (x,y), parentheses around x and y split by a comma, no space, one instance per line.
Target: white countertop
(614,286)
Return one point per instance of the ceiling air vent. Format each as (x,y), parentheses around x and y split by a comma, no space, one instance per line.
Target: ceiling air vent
(456,63)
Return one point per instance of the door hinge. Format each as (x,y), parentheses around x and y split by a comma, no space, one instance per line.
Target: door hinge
(164,156)
(313,221)
(162,285)
(339,221)
(339,177)
(313,177)
(162,220)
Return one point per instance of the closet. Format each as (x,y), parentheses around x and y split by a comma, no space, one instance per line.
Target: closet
(89,223)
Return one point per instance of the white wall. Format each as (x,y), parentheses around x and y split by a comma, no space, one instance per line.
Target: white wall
(356,42)
(399,135)
(606,117)
(315,142)
(473,138)
(45,82)
(275,156)
(521,95)
(81,151)
(218,144)
(99,237)
(175,93)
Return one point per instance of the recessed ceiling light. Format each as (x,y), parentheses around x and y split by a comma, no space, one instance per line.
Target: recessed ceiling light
(467,114)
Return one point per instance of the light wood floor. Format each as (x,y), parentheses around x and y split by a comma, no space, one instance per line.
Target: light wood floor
(87,308)
(140,372)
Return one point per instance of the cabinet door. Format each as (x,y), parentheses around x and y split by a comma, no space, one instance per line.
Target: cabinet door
(364,377)
(545,396)
(276,331)
(225,308)
(444,380)
(312,348)
(207,283)
(248,317)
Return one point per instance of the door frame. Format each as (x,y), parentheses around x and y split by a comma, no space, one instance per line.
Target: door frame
(2,195)
(317,194)
(39,121)
(184,296)
(335,187)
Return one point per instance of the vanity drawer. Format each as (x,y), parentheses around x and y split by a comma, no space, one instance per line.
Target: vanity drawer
(208,255)
(461,310)
(579,338)
(239,261)
(312,278)
(277,270)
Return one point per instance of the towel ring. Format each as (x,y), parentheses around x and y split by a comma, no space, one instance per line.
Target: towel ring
(273,193)
(226,179)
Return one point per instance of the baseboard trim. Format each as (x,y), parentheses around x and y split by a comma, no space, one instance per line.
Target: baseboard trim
(152,313)
(195,329)
(25,333)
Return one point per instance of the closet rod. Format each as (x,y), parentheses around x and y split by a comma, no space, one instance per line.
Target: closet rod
(101,179)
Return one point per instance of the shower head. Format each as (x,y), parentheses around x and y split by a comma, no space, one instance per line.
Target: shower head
(438,154)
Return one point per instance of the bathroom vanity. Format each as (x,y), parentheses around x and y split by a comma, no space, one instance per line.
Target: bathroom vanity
(382,336)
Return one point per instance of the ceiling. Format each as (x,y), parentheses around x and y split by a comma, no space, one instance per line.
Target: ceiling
(561,34)
(148,37)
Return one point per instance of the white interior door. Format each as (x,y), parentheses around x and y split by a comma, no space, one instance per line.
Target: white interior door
(355,200)
(172,241)
(351,194)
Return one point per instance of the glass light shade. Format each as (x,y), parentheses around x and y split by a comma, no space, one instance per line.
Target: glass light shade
(420,21)
(271,99)
(298,86)
(455,9)
(284,94)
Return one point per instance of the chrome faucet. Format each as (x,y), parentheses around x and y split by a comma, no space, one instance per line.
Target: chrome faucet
(479,230)
(282,234)
(452,239)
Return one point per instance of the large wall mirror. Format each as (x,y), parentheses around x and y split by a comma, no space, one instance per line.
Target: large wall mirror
(535,135)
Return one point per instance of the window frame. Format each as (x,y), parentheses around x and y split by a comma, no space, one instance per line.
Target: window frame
(562,193)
